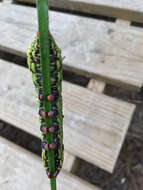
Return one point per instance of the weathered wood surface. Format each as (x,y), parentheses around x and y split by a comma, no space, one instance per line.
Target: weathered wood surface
(96,86)
(69,162)
(22,170)
(102,50)
(7,1)
(94,125)
(124,23)
(125,9)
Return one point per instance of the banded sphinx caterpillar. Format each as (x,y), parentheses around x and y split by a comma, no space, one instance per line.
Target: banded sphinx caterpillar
(55,98)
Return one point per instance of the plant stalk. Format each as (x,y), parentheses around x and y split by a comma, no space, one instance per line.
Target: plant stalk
(43,25)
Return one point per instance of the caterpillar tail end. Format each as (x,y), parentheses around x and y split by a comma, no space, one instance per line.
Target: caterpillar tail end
(54,175)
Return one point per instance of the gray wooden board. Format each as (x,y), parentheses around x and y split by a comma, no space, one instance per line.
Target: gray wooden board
(95,125)
(22,170)
(99,49)
(125,9)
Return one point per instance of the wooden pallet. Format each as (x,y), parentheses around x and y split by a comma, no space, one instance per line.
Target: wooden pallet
(123,9)
(104,46)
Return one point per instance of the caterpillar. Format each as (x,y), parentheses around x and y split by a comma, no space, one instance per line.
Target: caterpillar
(33,60)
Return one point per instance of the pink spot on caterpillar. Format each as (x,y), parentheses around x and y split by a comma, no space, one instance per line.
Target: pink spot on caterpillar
(50,97)
(50,114)
(44,129)
(41,97)
(52,146)
(51,129)
(46,147)
(43,114)
(55,174)
(48,174)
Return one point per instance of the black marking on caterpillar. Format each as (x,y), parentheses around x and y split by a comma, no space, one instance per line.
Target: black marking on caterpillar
(55,98)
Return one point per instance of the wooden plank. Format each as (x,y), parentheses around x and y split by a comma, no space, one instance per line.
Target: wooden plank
(69,162)
(93,48)
(7,1)
(95,125)
(124,9)
(123,22)
(96,86)
(23,170)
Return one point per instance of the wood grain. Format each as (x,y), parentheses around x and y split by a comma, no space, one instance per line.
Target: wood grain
(101,50)
(22,170)
(95,125)
(124,9)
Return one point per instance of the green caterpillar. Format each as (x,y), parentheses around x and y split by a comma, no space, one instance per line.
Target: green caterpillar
(55,97)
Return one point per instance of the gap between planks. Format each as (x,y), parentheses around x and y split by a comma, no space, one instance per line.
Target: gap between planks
(104,137)
(131,10)
(109,57)
(23,170)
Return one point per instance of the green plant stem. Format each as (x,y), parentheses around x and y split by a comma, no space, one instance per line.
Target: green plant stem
(43,23)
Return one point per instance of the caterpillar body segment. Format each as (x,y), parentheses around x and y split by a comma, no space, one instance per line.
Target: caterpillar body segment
(55,98)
